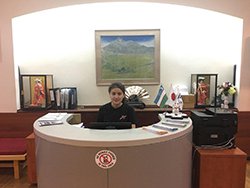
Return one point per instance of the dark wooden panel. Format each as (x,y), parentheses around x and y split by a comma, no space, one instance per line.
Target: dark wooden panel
(243,134)
(244,124)
(88,117)
(147,117)
(17,124)
(244,144)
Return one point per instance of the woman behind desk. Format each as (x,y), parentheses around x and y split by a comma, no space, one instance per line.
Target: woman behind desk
(117,110)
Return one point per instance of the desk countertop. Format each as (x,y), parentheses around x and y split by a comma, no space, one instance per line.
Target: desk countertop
(71,135)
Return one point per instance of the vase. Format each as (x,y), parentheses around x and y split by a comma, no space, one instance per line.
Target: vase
(225,102)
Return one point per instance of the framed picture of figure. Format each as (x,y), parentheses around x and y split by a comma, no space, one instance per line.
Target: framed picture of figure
(204,87)
(35,91)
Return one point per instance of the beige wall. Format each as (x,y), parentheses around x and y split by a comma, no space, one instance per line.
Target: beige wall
(11,9)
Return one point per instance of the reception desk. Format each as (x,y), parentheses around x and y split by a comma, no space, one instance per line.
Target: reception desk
(69,156)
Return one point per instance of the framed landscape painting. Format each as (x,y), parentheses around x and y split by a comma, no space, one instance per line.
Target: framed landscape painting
(128,56)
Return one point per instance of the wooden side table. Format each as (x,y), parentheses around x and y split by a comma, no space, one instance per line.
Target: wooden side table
(217,168)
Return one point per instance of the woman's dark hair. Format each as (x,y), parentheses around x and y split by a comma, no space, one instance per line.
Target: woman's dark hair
(117,85)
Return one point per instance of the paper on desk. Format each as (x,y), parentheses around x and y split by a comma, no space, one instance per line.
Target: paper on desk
(52,116)
(165,127)
(174,124)
(155,130)
(179,116)
(186,120)
(49,122)
(80,125)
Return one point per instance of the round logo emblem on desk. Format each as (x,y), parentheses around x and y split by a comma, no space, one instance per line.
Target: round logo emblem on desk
(105,159)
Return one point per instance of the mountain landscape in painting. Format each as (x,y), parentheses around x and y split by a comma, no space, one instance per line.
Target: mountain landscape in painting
(127,59)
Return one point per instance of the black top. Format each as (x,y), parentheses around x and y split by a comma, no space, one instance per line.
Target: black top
(124,113)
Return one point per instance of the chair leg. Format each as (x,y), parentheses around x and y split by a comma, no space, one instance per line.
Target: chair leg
(16,169)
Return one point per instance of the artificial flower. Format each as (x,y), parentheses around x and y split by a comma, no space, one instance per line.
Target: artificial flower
(227,88)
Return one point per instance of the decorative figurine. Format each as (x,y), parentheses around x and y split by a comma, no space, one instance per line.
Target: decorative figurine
(39,94)
(202,91)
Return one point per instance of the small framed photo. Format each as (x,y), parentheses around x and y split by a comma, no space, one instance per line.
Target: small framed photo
(204,87)
(128,56)
(35,91)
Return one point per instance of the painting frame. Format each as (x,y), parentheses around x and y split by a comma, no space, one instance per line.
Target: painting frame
(137,62)
(34,91)
(204,87)
(33,80)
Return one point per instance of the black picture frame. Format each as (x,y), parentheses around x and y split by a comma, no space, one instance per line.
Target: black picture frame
(204,87)
(29,90)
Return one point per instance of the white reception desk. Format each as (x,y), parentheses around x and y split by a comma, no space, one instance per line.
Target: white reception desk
(72,157)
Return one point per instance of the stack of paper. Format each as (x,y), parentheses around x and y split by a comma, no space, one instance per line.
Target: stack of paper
(51,119)
(80,125)
(175,116)
(175,122)
(53,116)
(165,127)
(155,130)
(48,123)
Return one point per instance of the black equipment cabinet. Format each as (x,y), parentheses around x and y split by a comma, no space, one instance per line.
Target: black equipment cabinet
(214,127)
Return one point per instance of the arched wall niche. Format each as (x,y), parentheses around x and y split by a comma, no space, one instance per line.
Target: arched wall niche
(61,42)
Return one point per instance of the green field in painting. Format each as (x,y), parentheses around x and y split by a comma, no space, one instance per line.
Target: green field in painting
(127,66)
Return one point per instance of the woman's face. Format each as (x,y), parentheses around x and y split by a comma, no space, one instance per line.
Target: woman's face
(116,96)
